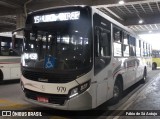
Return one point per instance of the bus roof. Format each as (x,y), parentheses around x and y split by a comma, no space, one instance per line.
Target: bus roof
(10,35)
(50,8)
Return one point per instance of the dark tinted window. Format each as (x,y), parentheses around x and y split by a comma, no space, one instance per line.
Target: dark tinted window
(117,37)
(102,44)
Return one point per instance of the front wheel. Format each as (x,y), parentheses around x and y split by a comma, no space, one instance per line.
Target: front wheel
(1,80)
(1,77)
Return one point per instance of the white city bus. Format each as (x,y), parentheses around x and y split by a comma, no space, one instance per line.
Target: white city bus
(9,57)
(77,58)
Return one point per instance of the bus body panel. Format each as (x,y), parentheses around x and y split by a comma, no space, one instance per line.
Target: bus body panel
(130,69)
(80,102)
(139,70)
(10,67)
(49,88)
(10,56)
(11,71)
(16,72)
(6,73)
(155,59)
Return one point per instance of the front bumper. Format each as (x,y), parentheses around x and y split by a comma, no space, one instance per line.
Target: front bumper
(79,102)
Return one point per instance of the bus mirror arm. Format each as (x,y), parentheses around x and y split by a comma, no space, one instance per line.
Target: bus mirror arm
(14,32)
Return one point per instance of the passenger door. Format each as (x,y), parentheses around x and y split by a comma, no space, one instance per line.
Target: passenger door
(102,56)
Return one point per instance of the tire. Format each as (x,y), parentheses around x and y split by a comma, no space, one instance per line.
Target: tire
(154,66)
(144,76)
(1,77)
(1,80)
(117,92)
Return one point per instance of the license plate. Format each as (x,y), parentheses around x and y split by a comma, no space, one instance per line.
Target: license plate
(42,99)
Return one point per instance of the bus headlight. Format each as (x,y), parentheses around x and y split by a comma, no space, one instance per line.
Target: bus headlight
(79,89)
(73,92)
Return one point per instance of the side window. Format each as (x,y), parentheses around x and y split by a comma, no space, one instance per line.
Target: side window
(5,46)
(18,45)
(138,51)
(13,52)
(104,43)
(102,48)
(132,42)
(142,50)
(149,53)
(153,54)
(158,54)
(117,37)
(140,45)
(125,45)
(148,50)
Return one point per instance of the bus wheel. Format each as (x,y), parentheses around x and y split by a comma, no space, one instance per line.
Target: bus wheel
(1,77)
(144,76)
(154,66)
(117,92)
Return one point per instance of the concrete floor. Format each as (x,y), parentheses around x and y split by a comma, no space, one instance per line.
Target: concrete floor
(147,104)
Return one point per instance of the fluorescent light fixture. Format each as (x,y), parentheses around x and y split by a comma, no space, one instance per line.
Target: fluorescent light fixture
(140,21)
(121,2)
(150,31)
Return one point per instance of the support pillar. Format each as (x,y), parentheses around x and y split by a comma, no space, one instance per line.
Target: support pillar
(20,22)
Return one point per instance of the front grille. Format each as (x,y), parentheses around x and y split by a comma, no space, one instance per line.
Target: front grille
(51,77)
(52,98)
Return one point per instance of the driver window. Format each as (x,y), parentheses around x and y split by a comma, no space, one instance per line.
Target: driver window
(102,48)
(104,44)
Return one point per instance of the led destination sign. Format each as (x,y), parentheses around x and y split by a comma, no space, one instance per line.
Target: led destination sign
(57,17)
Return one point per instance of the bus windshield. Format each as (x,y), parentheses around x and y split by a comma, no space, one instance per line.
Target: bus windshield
(67,43)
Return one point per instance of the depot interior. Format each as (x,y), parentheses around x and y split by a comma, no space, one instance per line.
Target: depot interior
(142,16)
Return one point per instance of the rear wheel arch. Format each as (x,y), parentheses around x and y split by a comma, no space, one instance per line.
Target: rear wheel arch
(117,89)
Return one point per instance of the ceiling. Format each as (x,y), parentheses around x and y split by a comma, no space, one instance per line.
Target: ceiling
(128,13)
